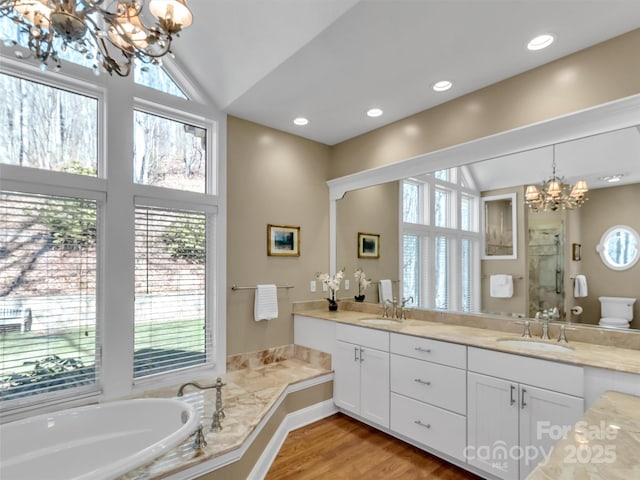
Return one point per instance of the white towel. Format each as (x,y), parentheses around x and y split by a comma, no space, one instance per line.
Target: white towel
(501,286)
(580,288)
(384,290)
(266,303)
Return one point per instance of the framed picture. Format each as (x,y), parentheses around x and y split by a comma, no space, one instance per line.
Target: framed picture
(368,245)
(283,241)
(499,224)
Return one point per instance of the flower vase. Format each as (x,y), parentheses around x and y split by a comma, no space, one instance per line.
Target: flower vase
(359,298)
(333,305)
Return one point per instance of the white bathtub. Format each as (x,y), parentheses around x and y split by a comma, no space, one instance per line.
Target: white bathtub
(95,442)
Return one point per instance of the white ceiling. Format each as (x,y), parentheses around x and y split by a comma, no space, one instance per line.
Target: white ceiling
(270,61)
(589,159)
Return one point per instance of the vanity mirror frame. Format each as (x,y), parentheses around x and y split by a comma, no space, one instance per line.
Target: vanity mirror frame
(604,118)
(493,202)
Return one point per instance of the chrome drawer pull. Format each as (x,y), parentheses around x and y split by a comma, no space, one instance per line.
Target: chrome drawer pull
(423,382)
(425,350)
(425,425)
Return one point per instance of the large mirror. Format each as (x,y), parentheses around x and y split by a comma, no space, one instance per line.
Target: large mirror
(544,270)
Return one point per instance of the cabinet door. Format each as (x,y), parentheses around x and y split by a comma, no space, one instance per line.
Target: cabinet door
(374,386)
(492,425)
(544,418)
(346,381)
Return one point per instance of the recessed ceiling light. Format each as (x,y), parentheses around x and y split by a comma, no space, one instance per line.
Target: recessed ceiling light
(540,42)
(442,86)
(612,178)
(374,112)
(301,121)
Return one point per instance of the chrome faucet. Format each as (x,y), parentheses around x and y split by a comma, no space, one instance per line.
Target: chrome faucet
(218,415)
(403,310)
(394,311)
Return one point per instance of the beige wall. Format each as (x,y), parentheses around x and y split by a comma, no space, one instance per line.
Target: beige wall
(273,178)
(369,210)
(606,208)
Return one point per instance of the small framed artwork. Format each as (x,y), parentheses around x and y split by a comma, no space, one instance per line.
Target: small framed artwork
(283,241)
(368,245)
(575,252)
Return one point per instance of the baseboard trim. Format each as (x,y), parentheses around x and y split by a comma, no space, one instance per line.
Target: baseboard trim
(291,422)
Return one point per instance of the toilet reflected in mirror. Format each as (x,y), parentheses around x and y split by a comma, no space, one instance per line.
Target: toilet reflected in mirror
(616,312)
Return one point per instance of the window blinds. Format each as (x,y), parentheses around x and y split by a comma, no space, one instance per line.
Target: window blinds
(48,328)
(170,322)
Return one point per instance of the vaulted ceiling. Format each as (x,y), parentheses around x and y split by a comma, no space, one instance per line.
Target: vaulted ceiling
(270,61)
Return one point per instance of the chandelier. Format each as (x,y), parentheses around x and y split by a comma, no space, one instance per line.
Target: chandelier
(553,194)
(114,36)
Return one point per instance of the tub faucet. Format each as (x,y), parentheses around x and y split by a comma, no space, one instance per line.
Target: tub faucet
(218,415)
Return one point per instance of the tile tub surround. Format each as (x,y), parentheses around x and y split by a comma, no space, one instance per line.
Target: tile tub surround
(277,354)
(482,332)
(247,397)
(603,444)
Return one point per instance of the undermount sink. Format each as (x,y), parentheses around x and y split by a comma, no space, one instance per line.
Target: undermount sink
(535,345)
(378,321)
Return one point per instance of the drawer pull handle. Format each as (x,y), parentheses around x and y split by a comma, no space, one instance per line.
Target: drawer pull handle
(423,382)
(513,389)
(424,350)
(425,425)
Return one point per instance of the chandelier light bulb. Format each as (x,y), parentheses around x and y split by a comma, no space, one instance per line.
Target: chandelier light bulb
(553,194)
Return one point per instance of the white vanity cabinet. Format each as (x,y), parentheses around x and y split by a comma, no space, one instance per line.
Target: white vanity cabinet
(517,407)
(428,393)
(361,373)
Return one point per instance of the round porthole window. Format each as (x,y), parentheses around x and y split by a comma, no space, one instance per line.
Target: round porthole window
(618,247)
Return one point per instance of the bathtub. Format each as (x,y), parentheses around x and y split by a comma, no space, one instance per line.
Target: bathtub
(97,442)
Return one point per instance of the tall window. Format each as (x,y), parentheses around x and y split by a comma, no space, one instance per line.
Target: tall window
(440,246)
(170,321)
(80,203)
(48,266)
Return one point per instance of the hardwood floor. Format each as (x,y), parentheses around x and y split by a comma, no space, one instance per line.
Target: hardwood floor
(340,448)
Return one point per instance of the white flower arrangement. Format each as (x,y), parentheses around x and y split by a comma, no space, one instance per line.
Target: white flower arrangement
(332,282)
(363,281)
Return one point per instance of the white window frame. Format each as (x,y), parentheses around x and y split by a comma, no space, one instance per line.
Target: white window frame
(427,233)
(117,99)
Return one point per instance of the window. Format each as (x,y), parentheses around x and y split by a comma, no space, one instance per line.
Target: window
(48,275)
(108,240)
(170,321)
(48,128)
(440,266)
(154,76)
(169,153)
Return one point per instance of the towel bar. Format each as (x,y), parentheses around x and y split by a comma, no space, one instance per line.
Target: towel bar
(236,287)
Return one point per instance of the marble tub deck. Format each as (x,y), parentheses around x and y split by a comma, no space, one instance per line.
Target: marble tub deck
(603,445)
(247,397)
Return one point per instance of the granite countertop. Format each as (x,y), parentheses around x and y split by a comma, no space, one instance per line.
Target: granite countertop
(584,354)
(247,397)
(602,445)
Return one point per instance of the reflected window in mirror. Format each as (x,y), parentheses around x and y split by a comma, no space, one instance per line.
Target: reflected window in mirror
(618,247)
(441,258)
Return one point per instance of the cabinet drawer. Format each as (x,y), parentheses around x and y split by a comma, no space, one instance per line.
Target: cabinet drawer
(431,350)
(428,382)
(366,337)
(431,426)
(555,376)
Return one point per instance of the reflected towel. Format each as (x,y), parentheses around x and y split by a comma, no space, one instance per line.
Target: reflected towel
(266,302)
(385,291)
(580,288)
(501,286)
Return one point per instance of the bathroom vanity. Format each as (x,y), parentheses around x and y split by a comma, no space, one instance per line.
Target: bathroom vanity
(465,394)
